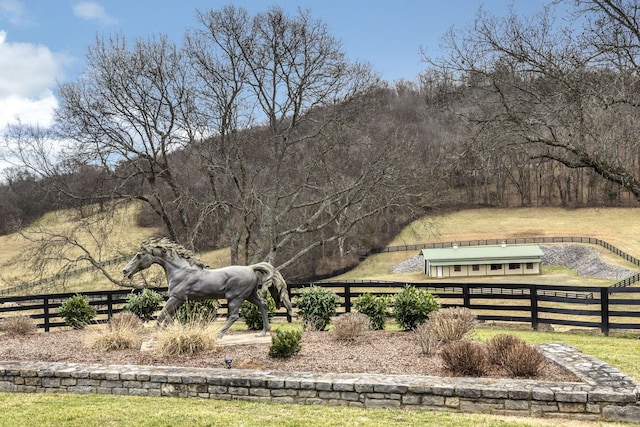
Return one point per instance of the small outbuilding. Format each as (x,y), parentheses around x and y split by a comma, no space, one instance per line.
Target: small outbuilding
(472,261)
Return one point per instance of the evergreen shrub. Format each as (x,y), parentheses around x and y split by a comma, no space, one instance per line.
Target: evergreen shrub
(412,307)
(77,312)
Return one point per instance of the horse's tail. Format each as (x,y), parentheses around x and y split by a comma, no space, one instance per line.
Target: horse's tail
(273,281)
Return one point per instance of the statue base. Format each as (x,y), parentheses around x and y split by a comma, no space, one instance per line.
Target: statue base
(233,339)
(240,339)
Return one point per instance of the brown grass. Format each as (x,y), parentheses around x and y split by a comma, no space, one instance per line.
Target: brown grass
(123,237)
(18,325)
(123,332)
(185,339)
(618,226)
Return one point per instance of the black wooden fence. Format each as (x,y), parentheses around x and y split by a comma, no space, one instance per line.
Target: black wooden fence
(603,308)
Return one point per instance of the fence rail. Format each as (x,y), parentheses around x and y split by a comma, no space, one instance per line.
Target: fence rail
(608,308)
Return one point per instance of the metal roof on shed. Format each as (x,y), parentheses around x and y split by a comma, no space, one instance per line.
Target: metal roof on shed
(483,255)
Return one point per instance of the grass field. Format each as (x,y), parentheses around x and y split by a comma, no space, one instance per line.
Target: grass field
(53,410)
(617,226)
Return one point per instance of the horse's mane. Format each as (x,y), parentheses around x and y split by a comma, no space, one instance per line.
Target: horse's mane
(167,245)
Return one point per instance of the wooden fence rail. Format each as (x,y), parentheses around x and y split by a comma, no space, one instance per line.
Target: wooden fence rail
(607,308)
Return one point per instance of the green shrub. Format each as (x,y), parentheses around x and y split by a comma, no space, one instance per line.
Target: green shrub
(77,312)
(285,343)
(317,306)
(251,314)
(375,308)
(144,304)
(197,311)
(412,306)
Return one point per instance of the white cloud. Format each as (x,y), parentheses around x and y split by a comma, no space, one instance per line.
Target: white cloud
(28,110)
(28,77)
(93,11)
(14,12)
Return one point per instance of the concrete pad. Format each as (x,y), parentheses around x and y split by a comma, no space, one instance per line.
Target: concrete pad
(235,339)
(239,339)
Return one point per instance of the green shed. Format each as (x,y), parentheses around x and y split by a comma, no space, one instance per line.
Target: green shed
(472,261)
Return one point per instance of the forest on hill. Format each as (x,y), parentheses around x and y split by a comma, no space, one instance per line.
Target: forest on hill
(258,134)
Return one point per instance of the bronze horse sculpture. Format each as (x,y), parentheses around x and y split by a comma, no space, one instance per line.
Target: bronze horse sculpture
(190,279)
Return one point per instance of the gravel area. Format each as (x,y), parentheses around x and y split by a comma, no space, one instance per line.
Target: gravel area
(584,259)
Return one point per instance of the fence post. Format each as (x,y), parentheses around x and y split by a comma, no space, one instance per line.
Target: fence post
(45,304)
(604,309)
(533,297)
(347,298)
(109,307)
(289,293)
(466,297)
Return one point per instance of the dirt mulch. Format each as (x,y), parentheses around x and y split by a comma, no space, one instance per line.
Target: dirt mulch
(382,352)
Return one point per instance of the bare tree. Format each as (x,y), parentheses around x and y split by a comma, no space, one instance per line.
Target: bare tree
(259,126)
(129,112)
(558,92)
(298,178)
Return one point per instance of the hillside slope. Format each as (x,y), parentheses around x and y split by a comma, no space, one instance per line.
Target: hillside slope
(618,226)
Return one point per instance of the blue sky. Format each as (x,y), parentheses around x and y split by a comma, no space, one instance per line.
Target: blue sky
(43,42)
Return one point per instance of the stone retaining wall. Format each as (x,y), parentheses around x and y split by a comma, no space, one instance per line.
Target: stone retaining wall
(605,393)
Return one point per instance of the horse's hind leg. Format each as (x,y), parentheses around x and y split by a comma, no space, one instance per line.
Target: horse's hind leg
(255,299)
(233,310)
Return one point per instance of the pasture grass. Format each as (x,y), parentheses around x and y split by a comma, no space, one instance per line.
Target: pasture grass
(618,226)
(378,267)
(122,237)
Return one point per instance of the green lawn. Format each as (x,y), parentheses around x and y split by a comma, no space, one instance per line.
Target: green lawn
(119,411)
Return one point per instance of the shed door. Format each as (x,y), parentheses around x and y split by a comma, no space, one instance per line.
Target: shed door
(439,271)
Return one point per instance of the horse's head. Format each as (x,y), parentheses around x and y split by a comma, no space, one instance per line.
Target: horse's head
(140,261)
(162,251)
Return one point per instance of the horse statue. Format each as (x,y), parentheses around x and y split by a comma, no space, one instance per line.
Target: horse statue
(190,279)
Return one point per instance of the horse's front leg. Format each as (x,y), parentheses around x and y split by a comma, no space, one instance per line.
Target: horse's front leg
(170,308)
